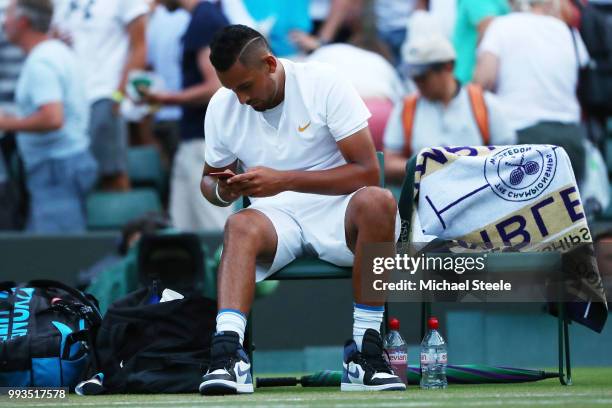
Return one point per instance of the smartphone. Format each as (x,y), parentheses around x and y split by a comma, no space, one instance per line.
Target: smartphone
(222,175)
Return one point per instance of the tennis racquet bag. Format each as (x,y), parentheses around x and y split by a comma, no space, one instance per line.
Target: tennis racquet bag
(46,332)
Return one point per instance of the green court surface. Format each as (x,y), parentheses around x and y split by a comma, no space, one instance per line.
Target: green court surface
(592,388)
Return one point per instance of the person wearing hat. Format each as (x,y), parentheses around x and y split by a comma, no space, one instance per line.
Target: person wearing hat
(442,112)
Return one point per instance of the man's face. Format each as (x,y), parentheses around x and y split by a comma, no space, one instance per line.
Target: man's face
(12,23)
(432,83)
(254,85)
(171,5)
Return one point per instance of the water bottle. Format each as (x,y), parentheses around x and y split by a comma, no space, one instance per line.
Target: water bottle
(433,358)
(396,351)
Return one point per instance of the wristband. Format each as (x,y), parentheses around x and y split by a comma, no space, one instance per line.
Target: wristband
(219,195)
(117,96)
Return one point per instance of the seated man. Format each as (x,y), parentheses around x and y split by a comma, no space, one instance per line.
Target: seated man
(311,174)
(442,113)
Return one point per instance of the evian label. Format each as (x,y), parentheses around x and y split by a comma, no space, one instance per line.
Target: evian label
(430,358)
(398,358)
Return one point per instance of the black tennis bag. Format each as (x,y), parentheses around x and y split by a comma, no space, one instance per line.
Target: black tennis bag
(46,332)
(146,347)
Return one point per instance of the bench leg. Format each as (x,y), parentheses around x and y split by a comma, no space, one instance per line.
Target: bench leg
(565,376)
(248,339)
(425,315)
(385,324)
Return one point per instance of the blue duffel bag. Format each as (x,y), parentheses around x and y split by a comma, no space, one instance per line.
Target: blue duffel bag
(46,332)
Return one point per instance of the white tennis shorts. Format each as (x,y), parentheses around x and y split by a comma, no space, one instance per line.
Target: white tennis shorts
(307,225)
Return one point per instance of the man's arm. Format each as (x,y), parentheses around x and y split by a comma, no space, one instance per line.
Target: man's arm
(482,26)
(47,118)
(137,56)
(338,13)
(486,70)
(395,166)
(361,170)
(394,142)
(196,95)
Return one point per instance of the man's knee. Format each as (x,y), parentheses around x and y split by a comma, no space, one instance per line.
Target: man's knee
(374,204)
(248,228)
(241,225)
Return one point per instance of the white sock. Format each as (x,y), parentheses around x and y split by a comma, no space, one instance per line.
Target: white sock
(366,317)
(231,320)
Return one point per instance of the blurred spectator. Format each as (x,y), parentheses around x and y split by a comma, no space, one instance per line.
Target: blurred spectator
(392,19)
(530,60)
(332,22)
(374,78)
(12,60)
(164,46)
(284,17)
(443,113)
(52,123)
(445,14)
(473,18)
(190,211)
(236,12)
(108,37)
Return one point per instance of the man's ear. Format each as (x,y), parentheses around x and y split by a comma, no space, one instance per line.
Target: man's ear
(271,63)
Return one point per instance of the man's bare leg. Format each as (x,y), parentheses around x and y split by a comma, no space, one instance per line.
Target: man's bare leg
(370,218)
(249,237)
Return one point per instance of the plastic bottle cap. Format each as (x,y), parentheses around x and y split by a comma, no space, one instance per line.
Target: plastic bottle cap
(432,323)
(394,324)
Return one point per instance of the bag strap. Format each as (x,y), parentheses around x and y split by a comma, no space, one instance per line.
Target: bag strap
(91,313)
(408,113)
(479,110)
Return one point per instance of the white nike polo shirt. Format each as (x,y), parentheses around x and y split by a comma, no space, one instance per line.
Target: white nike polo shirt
(320,108)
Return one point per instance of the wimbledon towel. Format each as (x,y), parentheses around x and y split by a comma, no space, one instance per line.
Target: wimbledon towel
(520,197)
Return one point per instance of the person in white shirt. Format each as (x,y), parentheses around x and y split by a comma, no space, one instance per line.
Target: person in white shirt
(442,112)
(300,133)
(108,37)
(374,78)
(530,59)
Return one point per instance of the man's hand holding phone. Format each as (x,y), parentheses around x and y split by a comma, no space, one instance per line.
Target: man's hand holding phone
(261,181)
(255,182)
(226,193)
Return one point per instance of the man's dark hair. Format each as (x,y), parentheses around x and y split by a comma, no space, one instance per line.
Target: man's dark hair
(38,12)
(235,42)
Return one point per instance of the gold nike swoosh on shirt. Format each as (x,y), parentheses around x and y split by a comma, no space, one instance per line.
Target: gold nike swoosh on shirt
(303,128)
